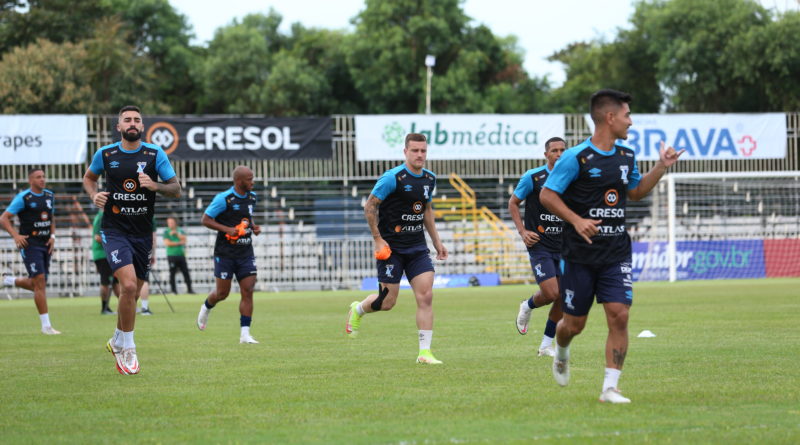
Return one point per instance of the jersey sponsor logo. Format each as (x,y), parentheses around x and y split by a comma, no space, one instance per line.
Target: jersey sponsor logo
(569,294)
(412,218)
(164,135)
(39,224)
(624,170)
(417,207)
(129,185)
(611,230)
(611,197)
(540,229)
(549,217)
(129,197)
(595,172)
(44,216)
(113,164)
(607,213)
(129,211)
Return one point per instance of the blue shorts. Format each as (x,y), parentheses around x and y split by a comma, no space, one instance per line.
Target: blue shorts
(36,259)
(122,249)
(227,268)
(611,283)
(545,265)
(414,263)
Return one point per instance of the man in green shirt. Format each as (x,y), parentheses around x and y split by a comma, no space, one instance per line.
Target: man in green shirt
(175,240)
(107,280)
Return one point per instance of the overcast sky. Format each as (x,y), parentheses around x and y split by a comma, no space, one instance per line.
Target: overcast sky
(542,27)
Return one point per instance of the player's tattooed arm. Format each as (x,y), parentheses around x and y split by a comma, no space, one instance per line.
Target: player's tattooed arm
(170,188)
(371,213)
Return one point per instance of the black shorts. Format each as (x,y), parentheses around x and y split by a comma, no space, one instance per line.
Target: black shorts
(36,259)
(412,264)
(580,283)
(122,249)
(545,265)
(104,269)
(227,268)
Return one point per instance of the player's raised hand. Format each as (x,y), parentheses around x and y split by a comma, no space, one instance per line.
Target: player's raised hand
(587,228)
(146,182)
(668,155)
(100,199)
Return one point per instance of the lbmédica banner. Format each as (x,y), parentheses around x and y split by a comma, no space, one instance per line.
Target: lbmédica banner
(708,136)
(458,136)
(207,138)
(43,139)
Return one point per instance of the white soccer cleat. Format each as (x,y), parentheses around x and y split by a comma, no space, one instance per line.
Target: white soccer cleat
(112,348)
(202,318)
(523,317)
(247,339)
(50,331)
(561,370)
(127,362)
(612,395)
(549,351)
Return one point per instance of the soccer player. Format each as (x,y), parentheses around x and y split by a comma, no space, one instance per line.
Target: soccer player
(107,281)
(396,211)
(231,215)
(588,189)
(541,233)
(35,240)
(175,240)
(131,169)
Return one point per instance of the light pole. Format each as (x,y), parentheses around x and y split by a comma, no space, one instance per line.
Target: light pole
(430,61)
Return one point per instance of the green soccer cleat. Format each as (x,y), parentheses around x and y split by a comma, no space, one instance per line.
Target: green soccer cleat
(353,320)
(426,358)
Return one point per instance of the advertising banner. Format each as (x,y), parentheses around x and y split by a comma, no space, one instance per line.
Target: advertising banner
(782,257)
(708,136)
(442,281)
(209,138)
(43,139)
(700,260)
(458,136)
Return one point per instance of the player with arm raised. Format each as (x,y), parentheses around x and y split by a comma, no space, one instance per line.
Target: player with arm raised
(397,210)
(131,169)
(541,233)
(588,189)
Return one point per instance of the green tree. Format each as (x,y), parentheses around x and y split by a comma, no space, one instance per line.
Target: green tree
(294,88)
(45,77)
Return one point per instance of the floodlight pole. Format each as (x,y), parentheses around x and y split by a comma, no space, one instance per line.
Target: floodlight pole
(430,61)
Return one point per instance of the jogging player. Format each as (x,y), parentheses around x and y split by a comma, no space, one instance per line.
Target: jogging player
(541,233)
(231,215)
(397,210)
(35,240)
(588,189)
(131,169)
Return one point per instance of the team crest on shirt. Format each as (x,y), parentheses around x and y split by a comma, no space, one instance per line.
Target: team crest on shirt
(141,166)
(425,190)
(624,170)
(250,208)
(49,203)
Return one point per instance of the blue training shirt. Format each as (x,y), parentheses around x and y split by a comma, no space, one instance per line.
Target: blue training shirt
(537,218)
(404,197)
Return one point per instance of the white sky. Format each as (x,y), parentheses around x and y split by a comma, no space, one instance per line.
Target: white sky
(542,27)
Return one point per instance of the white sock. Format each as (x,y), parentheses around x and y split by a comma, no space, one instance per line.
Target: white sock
(546,342)
(145,304)
(561,352)
(360,310)
(9,280)
(245,331)
(612,378)
(425,338)
(45,319)
(117,339)
(127,340)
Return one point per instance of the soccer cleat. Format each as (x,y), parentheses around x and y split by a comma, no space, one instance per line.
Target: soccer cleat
(146,312)
(426,358)
(549,351)
(202,318)
(523,317)
(8,280)
(561,370)
(247,339)
(50,331)
(353,320)
(127,362)
(613,395)
(110,347)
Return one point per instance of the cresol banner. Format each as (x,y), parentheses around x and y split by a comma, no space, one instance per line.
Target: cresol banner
(458,136)
(708,136)
(700,260)
(208,138)
(43,139)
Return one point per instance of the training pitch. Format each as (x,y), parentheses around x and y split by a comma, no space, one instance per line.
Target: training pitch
(724,367)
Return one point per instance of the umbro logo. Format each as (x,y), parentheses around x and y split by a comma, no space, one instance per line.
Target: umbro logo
(113,164)
(595,172)
(407,187)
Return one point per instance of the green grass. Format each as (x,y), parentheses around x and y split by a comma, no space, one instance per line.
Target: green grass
(724,368)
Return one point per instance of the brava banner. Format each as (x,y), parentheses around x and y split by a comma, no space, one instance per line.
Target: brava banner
(708,136)
(458,136)
(43,139)
(206,138)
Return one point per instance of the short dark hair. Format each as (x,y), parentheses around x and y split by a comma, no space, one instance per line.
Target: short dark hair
(551,140)
(603,98)
(416,137)
(35,169)
(129,108)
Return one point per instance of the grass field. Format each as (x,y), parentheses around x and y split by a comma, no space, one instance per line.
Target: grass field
(724,368)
